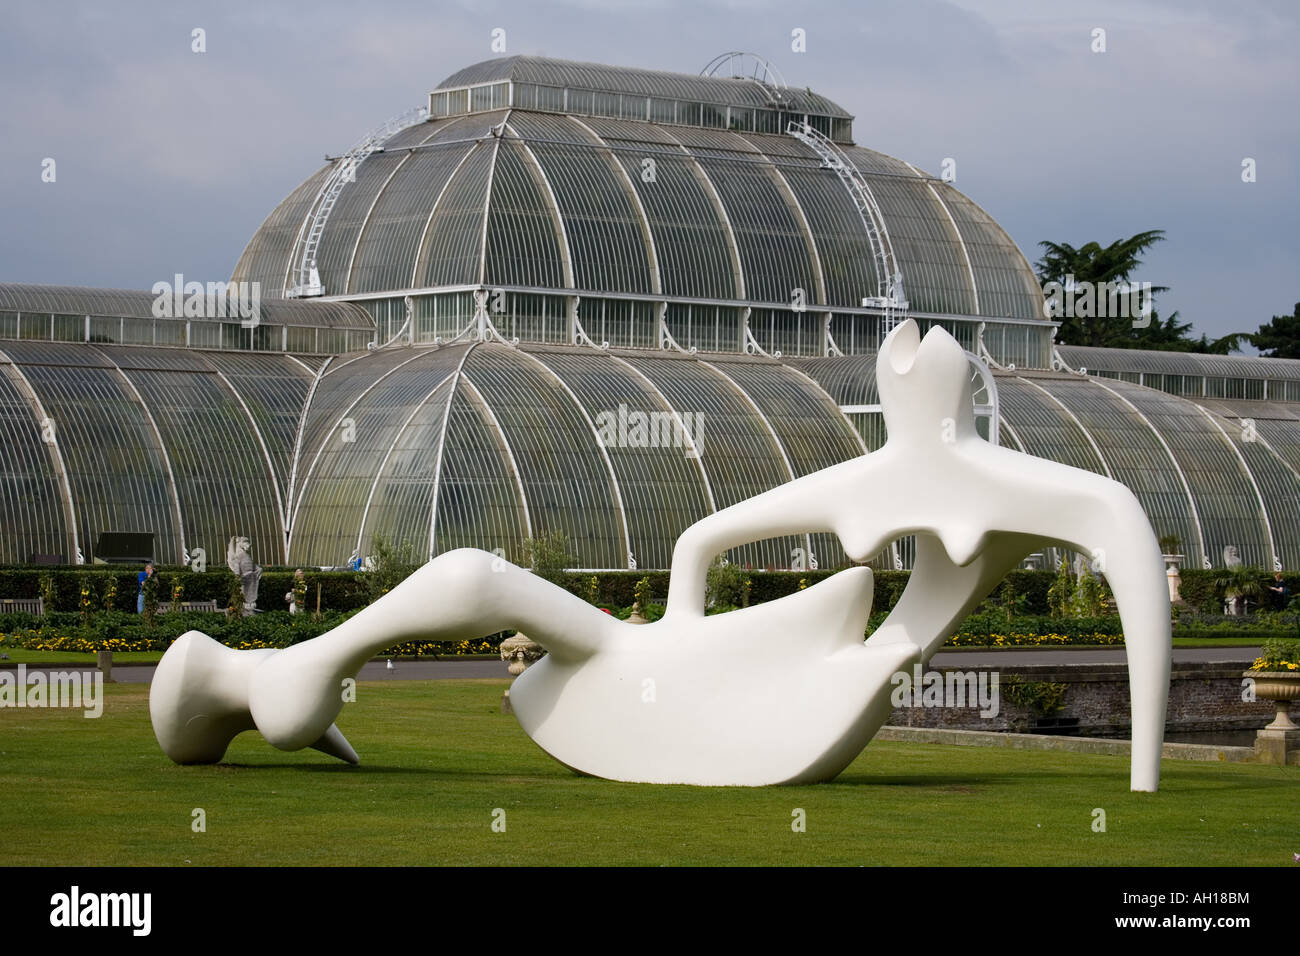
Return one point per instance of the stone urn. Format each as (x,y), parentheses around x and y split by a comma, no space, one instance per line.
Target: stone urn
(636,617)
(1174,577)
(1279,742)
(518,652)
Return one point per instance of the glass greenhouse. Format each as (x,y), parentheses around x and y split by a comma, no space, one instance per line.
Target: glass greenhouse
(597,300)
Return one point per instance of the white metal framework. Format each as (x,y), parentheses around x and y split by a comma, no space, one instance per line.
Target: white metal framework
(984,391)
(304,279)
(738,65)
(889,282)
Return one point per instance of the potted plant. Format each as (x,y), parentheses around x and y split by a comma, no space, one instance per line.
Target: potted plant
(1276,673)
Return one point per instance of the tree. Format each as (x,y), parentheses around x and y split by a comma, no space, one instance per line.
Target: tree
(1240,583)
(1103,267)
(1224,345)
(1095,264)
(389,566)
(1170,335)
(1279,337)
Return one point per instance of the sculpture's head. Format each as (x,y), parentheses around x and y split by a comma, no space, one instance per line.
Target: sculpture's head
(924,385)
(238,545)
(203,694)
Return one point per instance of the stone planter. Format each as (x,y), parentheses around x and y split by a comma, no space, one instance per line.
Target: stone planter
(518,652)
(1279,742)
(1281,687)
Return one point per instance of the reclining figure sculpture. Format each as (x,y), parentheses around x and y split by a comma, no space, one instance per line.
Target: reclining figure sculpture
(782,692)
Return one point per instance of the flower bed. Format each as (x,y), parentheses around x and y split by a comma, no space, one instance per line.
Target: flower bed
(1014,639)
(127,633)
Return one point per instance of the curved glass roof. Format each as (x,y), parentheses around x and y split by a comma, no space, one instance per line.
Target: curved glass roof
(80,300)
(1180,363)
(541,200)
(191,447)
(483,445)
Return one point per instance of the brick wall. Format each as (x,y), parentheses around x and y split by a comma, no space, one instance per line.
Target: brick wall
(1203,697)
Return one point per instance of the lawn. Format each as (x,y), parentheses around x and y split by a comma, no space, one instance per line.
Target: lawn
(438,757)
(20,655)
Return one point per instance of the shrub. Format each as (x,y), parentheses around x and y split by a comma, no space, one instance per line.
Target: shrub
(1089,596)
(1061,591)
(150,590)
(110,593)
(550,555)
(1278,655)
(87,603)
(390,565)
(1043,698)
(642,592)
(1198,590)
(235,598)
(724,584)
(48,592)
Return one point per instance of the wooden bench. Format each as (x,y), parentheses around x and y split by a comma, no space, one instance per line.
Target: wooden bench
(23,605)
(210,606)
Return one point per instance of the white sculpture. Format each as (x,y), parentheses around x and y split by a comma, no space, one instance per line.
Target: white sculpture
(782,692)
(244,568)
(297,589)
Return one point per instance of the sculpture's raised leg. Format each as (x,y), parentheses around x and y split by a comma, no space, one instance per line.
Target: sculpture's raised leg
(204,694)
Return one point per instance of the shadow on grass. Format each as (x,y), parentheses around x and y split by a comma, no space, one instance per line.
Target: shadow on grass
(936,781)
(380,769)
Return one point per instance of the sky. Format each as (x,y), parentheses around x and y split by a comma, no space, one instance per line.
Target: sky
(167,160)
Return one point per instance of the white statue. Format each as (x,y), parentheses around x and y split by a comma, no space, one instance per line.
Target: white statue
(248,573)
(782,692)
(297,589)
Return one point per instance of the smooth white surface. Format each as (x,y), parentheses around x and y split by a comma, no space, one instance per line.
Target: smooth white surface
(781,692)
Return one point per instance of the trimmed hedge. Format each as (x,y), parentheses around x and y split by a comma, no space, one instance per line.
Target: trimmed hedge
(347,591)
(616,587)
(1198,590)
(340,590)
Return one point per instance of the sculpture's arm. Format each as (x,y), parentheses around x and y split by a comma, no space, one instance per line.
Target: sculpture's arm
(838,499)
(1107,521)
(1102,518)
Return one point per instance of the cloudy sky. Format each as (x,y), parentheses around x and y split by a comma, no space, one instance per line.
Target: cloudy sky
(168,160)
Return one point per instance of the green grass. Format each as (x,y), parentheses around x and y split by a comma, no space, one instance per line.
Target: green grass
(20,655)
(438,757)
(1218,641)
